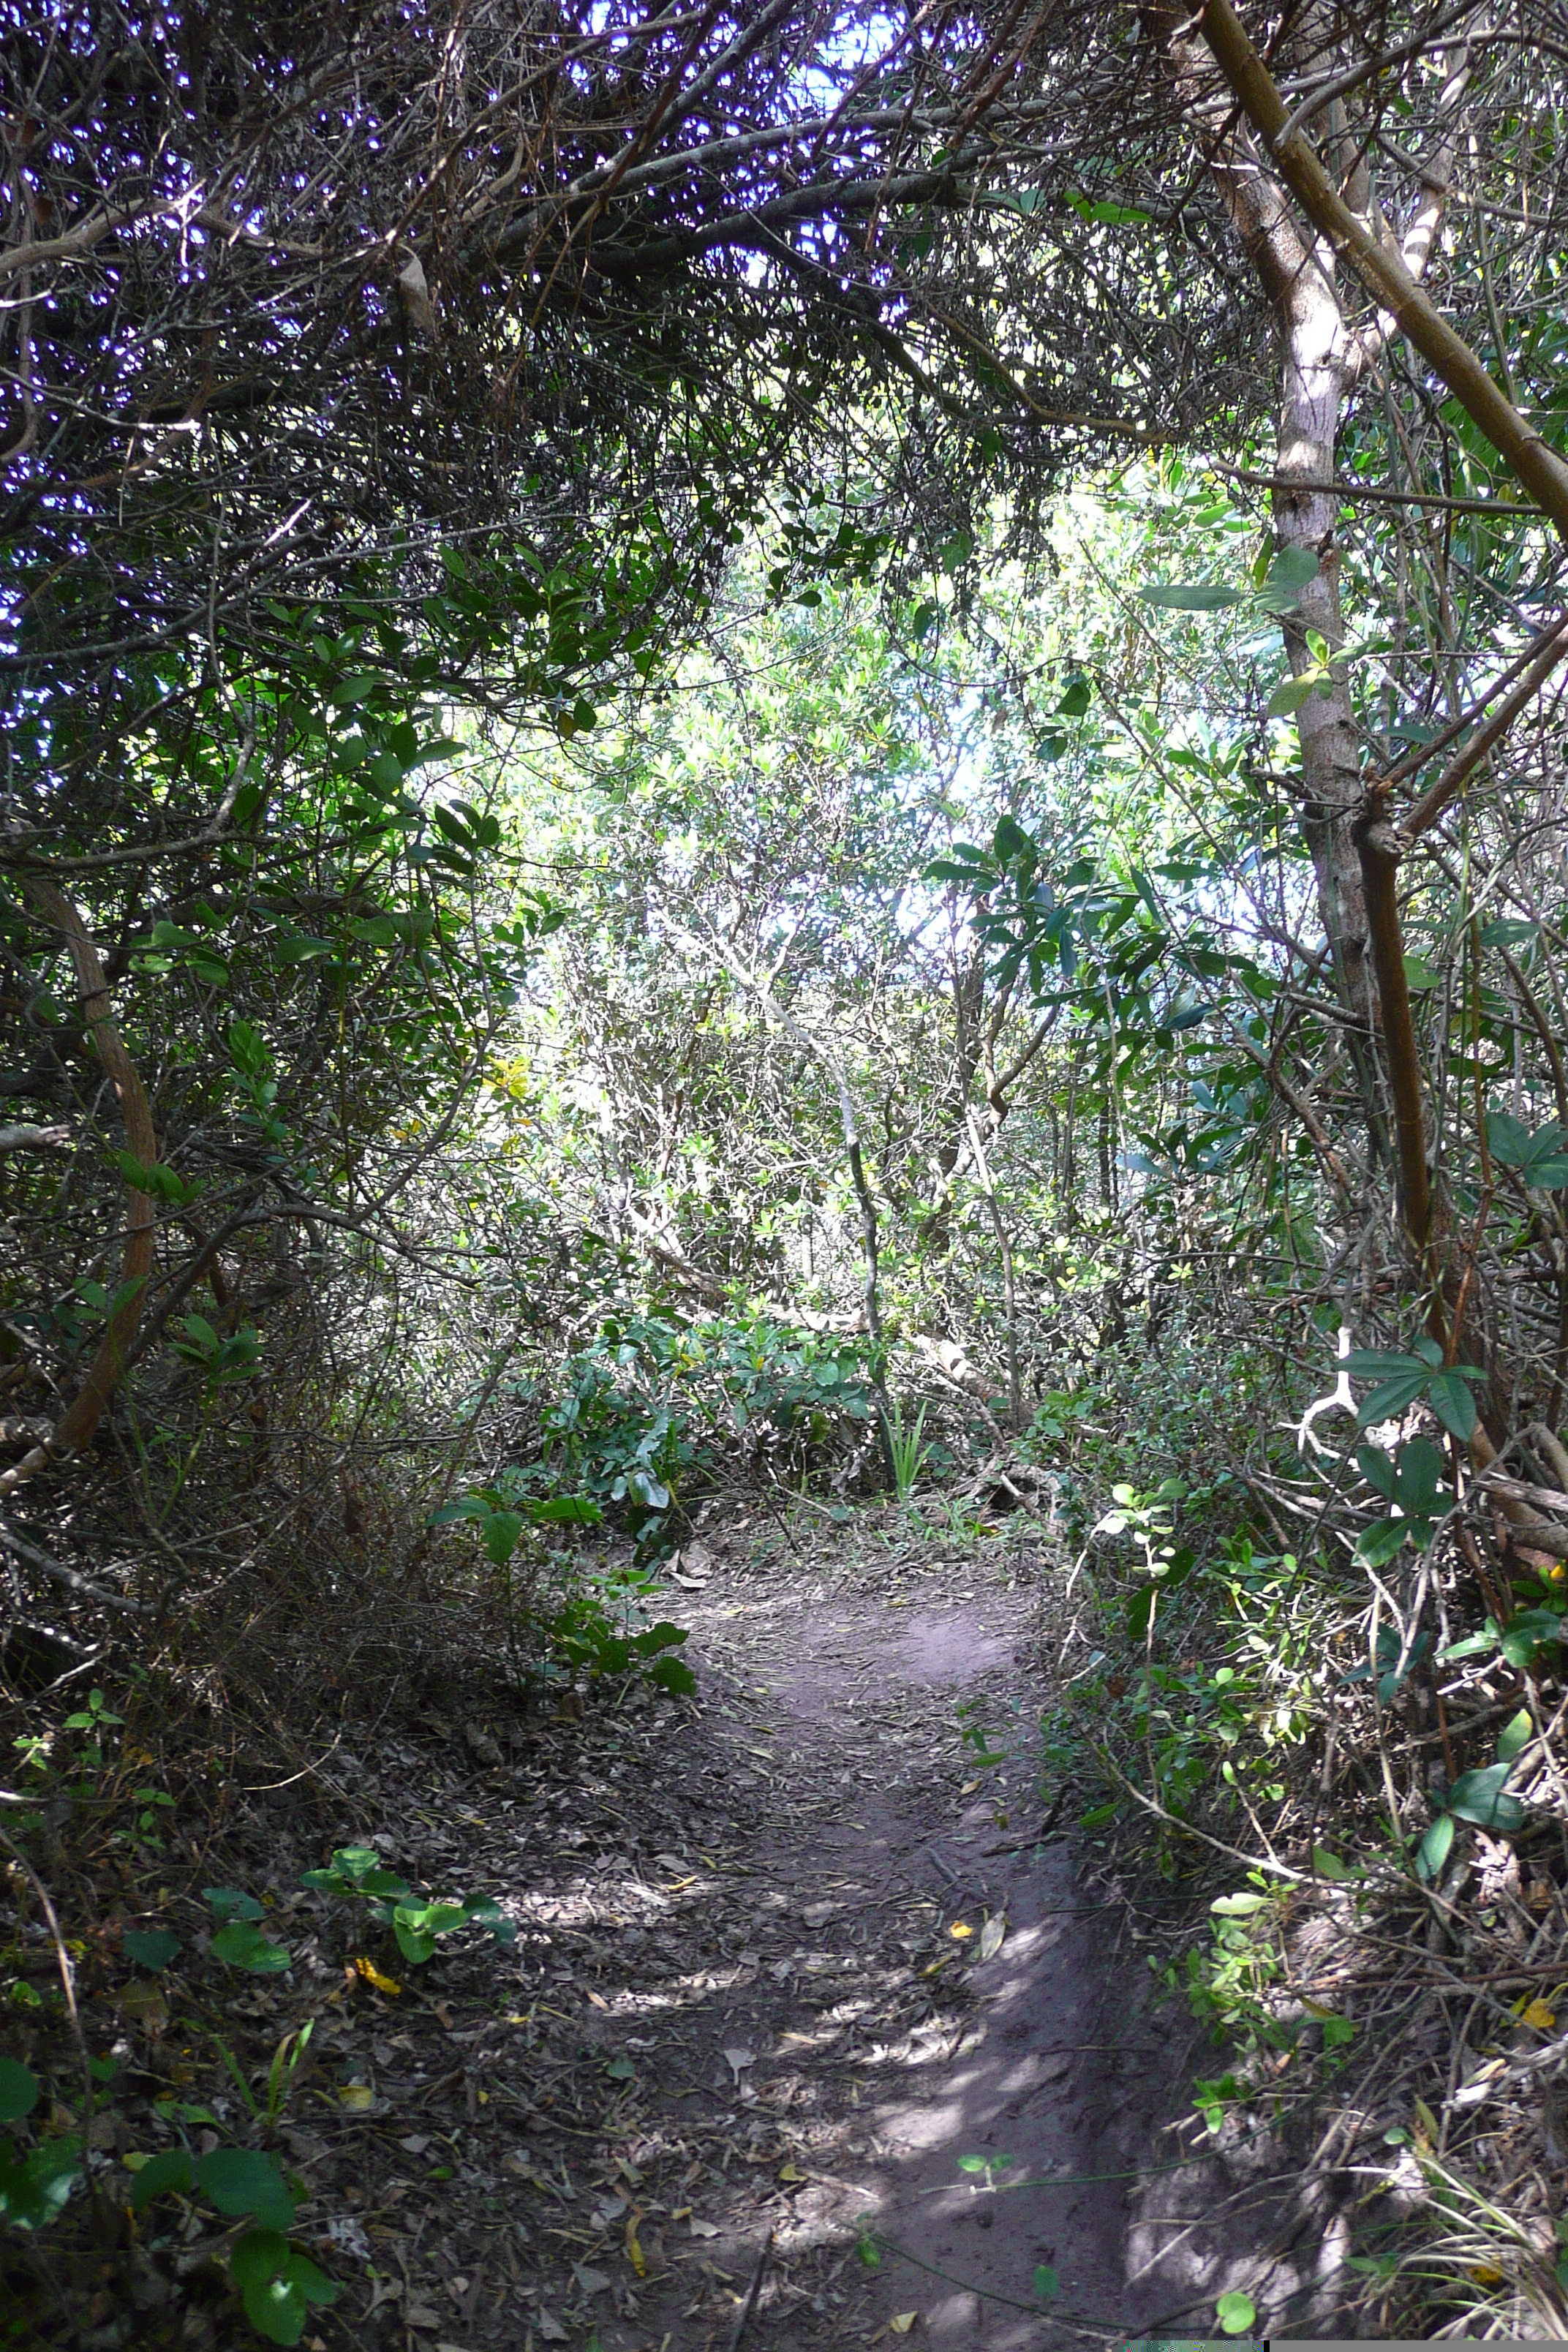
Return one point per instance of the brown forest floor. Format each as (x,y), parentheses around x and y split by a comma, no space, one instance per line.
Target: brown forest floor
(787,1958)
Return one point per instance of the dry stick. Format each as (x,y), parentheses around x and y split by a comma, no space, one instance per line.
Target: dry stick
(1432,803)
(749,2306)
(35,1139)
(66,1576)
(1251,1861)
(1296,1101)
(83,1415)
(1424,754)
(1009,1293)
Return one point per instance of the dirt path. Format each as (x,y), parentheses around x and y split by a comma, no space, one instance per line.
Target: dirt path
(798,1981)
(910,2047)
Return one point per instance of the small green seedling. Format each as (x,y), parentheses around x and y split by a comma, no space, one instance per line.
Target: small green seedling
(356,1872)
(239,1942)
(277,2283)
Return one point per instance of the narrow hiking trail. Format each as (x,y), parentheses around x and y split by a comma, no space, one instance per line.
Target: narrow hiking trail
(797,1981)
(927,1986)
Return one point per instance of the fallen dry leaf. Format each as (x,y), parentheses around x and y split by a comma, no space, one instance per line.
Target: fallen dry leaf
(991,1934)
(368,1973)
(902,2320)
(144,2005)
(960,1929)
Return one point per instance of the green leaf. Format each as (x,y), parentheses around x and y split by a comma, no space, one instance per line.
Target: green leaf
(1508,1139)
(1046,2283)
(1201,597)
(1377,1468)
(434,1918)
(1236,2314)
(170,2170)
(257,2257)
(246,2180)
(1291,694)
(1329,1865)
(228,1903)
(150,1947)
(354,1861)
(1478,1797)
(243,1946)
(566,1509)
(1474,1645)
(276,2283)
(1380,1544)
(1010,842)
(1292,568)
(1527,1632)
(1433,1852)
(1508,931)
(18,2091)
(383,1882)
(36,2188)
(1515,1734)
(1393,1397)
(502,1531)
(1449,1397)
(1380,1363)
(1419,1488)
(673,1675)
(488,1914)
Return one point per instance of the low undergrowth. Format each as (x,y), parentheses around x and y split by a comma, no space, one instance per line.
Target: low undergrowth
(1346,1743)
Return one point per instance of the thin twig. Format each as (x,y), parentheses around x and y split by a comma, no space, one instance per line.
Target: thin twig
(67,1576)
(68,1986)
(749,2306)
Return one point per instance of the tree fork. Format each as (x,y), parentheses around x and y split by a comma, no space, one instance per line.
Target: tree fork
(1382,273)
